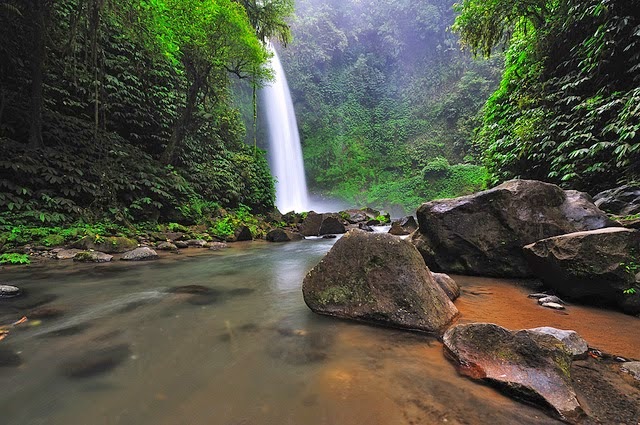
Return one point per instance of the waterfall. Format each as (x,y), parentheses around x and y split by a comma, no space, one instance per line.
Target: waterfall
(284,143)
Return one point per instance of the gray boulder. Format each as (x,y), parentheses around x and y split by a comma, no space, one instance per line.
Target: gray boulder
(623,200)
(483,233)
(92,257)
(282,235)
(66,254)
(166,246)
(529,365)
(597,267)
(331,225)
(195,243)
(377,278)
(140,254)
(311,224)
(576,345)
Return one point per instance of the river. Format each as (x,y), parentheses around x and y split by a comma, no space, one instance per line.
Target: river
(250,352)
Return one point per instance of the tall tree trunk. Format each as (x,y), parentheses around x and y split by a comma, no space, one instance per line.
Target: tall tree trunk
(180,129)
(37,73)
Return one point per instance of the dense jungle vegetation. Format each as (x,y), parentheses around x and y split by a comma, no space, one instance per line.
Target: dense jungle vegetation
(568,107)
(386,101)
(121,110)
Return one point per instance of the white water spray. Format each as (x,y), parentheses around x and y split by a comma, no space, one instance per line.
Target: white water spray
(284,143)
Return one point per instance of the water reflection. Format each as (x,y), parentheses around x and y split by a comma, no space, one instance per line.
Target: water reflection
(238,346)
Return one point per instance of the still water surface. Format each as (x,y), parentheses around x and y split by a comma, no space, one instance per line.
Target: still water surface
(250,352)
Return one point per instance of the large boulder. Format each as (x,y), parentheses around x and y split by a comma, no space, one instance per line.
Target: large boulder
(404,226)
(106,244)
(483,234)
(331,225)
(598,266)
(242,233)
(377,278)
(530,365)
(282,235)
(92,257)
(321,224)
(623,200)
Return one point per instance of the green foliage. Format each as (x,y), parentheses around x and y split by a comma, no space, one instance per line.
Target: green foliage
(115,91)
(13,258)
(225,226)
(381,89)
(568,105)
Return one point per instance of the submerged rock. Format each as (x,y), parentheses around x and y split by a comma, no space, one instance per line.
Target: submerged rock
(96,361)
(140,254)
(92,257)
(282,235)
(377,278)
(9,358)
(9,291)
(550,299)
(552,305)
(527,364)
(596,267)
(483,234)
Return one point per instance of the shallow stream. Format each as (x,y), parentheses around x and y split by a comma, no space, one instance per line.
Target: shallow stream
(249,352)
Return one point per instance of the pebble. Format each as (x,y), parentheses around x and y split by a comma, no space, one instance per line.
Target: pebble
(9,291)
(537,295)
(550,299)
(554,306)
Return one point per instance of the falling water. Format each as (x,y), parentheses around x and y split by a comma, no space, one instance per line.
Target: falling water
(284,142)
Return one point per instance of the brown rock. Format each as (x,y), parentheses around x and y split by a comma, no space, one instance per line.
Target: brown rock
(595,266)
(448,285)
(483,234)
(529,365)
(377,278)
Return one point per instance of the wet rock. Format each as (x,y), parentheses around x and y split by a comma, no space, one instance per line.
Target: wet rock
(311,224)
(404,226)
(554,306)
(377,278)
(355,216)
(448,285)
(321,224)
(107,244)
(217,246)
(483,233)
(550,299)
(242,233)
(632,368)
(92,257)
(605,392)
(66,254)
(166,246)
(623,200)
(282,235)
(181,244)
(528,365)
(96,361)
(331,225)
(576,345)
(365,227)
(373,222)
(9,291)
(594,267)
(196,243)
(140,254)
(329,236)
(538,295)
(9,358)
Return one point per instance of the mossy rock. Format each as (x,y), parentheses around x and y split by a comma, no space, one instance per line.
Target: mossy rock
(107,244)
